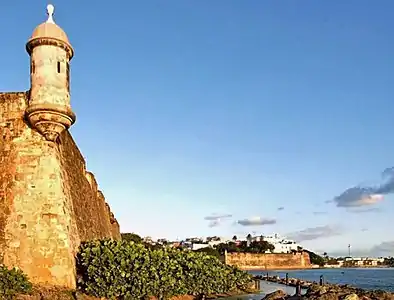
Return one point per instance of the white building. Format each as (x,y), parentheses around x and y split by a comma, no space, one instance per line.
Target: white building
(199,246)
(364,261)
(281,244)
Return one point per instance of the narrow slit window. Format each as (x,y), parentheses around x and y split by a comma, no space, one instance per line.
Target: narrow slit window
(58,66)
(32,68)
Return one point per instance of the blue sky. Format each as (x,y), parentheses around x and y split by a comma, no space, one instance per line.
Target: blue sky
(195,109)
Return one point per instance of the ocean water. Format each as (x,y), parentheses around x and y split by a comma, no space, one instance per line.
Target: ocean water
(369,279)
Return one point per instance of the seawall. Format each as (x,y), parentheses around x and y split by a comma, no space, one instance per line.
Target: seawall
(269,261)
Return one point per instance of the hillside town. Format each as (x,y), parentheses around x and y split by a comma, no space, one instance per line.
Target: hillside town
(280,244)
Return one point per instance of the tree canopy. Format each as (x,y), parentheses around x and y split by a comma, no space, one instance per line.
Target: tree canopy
(316,259)
(254,247)
(131,237)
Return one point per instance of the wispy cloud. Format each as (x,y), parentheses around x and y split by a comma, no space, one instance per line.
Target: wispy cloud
(361,196)
(281,208)
(256,221)
(383,249)
(314,233)
(364,229)
(216,219)
(364,210)
(214,223)
(318,213)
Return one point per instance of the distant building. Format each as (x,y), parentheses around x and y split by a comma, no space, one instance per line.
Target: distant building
(363,261)
(214,239)
(148,240)
(281,244)
(214,243)
(175,245)
(199,246)
(162,241)
(194,240)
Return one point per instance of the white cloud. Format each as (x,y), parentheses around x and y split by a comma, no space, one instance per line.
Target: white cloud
(214,217)
(313,233)
(256,221)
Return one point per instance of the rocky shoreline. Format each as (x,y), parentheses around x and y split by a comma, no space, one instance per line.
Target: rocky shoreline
(58,293)
(333,292)
(294,282)
(323,291)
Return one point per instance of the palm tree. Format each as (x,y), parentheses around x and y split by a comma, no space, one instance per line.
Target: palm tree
(235,238)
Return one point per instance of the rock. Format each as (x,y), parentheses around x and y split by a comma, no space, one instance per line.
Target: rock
(351,297)
(316,290)
(327,296)
(277,295)
(379,295)
(27,297)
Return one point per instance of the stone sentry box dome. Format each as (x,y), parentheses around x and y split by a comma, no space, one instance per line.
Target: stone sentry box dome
(49,110)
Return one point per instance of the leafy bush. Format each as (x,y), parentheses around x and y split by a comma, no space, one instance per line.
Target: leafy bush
(132,271)
(316,259)
(12,282)
(210,251)
(131,237)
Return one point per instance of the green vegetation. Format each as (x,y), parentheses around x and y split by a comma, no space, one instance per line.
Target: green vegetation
(253,247)
(389,261)
(132,271)
(13,282)
(210,251)
(332,261)
(316,259)
(131,237)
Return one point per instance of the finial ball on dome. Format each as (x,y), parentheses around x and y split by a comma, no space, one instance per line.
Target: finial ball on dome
(50,11)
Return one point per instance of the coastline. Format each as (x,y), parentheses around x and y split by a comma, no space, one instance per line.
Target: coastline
(359,267)
(263,269)
(284,268)
(314,290)
(365,278)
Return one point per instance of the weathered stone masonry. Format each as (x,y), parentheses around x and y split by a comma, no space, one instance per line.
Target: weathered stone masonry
(49,203)
(269,261)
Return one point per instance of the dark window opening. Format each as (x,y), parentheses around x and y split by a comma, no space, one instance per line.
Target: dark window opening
(32,69)
(58,66)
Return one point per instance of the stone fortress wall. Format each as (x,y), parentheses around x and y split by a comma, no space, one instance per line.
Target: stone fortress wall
(49,203)
(269,261)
